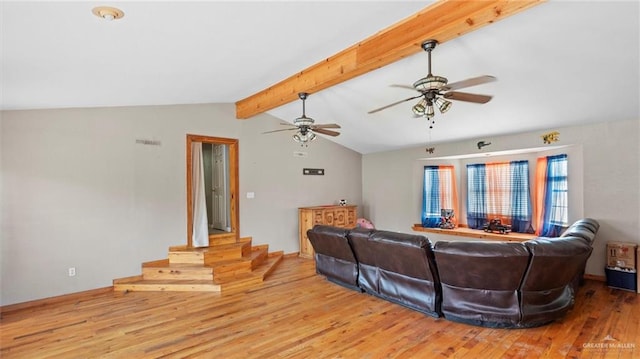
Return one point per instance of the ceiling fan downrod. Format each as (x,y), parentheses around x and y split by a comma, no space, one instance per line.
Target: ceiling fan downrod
(303,97)
(427,46)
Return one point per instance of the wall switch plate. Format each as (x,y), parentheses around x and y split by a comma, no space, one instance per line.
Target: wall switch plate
(313,171)
(251,195)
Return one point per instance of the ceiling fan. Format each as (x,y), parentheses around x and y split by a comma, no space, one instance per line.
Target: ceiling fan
(305,126)
(434,90)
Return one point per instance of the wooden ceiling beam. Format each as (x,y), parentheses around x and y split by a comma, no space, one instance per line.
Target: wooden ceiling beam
(443,21)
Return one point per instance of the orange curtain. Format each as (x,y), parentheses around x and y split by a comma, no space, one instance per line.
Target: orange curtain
(538,201)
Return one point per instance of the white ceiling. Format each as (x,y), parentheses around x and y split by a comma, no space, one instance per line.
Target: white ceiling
(558,64)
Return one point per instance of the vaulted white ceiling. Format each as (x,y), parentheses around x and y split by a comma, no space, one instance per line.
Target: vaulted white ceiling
(558,64)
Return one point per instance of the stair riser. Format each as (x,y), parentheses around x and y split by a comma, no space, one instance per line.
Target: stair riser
(177,274)
(226,254)
(168,287)
(259,259)
(222,239)
(239,267)
(186,257)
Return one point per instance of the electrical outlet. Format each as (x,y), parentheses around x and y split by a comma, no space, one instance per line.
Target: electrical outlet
(72,272)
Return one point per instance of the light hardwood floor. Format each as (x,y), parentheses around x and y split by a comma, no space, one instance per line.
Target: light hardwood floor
(298,314)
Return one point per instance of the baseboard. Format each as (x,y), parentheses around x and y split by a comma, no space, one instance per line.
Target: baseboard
(52,300)
(599,278)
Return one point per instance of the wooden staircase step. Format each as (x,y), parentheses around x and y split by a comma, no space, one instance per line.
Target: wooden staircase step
(218,239)
(227,251)
(252,278)
(230,283)
(208,255)
(259,254)
(238,266)
(220,267)
(162,270)
(167,285)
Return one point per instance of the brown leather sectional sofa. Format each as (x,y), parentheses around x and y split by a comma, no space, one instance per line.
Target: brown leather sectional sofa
(486,283)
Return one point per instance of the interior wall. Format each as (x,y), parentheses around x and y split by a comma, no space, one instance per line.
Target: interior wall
(271,168)
(78,191)
(604,163)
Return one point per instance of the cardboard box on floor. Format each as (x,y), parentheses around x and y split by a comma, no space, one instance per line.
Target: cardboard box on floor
(621,255)
(638,276)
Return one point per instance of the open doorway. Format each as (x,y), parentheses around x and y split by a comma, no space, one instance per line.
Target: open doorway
(212,203)
(217,192)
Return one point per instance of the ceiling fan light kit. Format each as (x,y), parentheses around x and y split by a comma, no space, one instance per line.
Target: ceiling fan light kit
(435,90)
(306,127)
(303,138)
(443,105)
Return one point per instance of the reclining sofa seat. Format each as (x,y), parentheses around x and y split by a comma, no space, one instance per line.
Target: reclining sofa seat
(398,267)
(334,256)
(586,229)
(548,288)
(481,280)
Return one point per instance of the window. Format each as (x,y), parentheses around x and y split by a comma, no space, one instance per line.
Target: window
(499,190)
(552,192)
(439,192)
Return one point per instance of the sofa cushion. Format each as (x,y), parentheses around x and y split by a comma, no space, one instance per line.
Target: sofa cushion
(480,281)
(333,255)
(549,283)
(585,228)
(398,267)
(410,253)
(580,232)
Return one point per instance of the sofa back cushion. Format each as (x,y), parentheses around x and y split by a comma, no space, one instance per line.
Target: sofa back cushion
(554,262)
(548,286)
(333,255)
(407,254)
(480,281)
(591,223)
(331,241)
(398,267)
(480,264)
(585,228)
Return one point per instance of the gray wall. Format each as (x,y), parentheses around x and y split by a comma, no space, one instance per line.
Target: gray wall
(77,191)
(604,171)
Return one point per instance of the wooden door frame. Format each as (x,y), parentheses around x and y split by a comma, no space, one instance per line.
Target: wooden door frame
(233,183)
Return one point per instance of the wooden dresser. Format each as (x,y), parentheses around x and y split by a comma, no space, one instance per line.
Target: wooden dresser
(338,216)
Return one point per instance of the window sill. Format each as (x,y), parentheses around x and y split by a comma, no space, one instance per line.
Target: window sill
(476,233)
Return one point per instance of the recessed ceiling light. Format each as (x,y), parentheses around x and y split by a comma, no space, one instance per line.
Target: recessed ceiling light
(107,13)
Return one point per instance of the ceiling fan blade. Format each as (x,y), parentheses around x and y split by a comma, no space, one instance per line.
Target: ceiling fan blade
(286,129)
(393,104)
(326,132)
(469,82)
(328,125)
(404,87)
(467,97)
